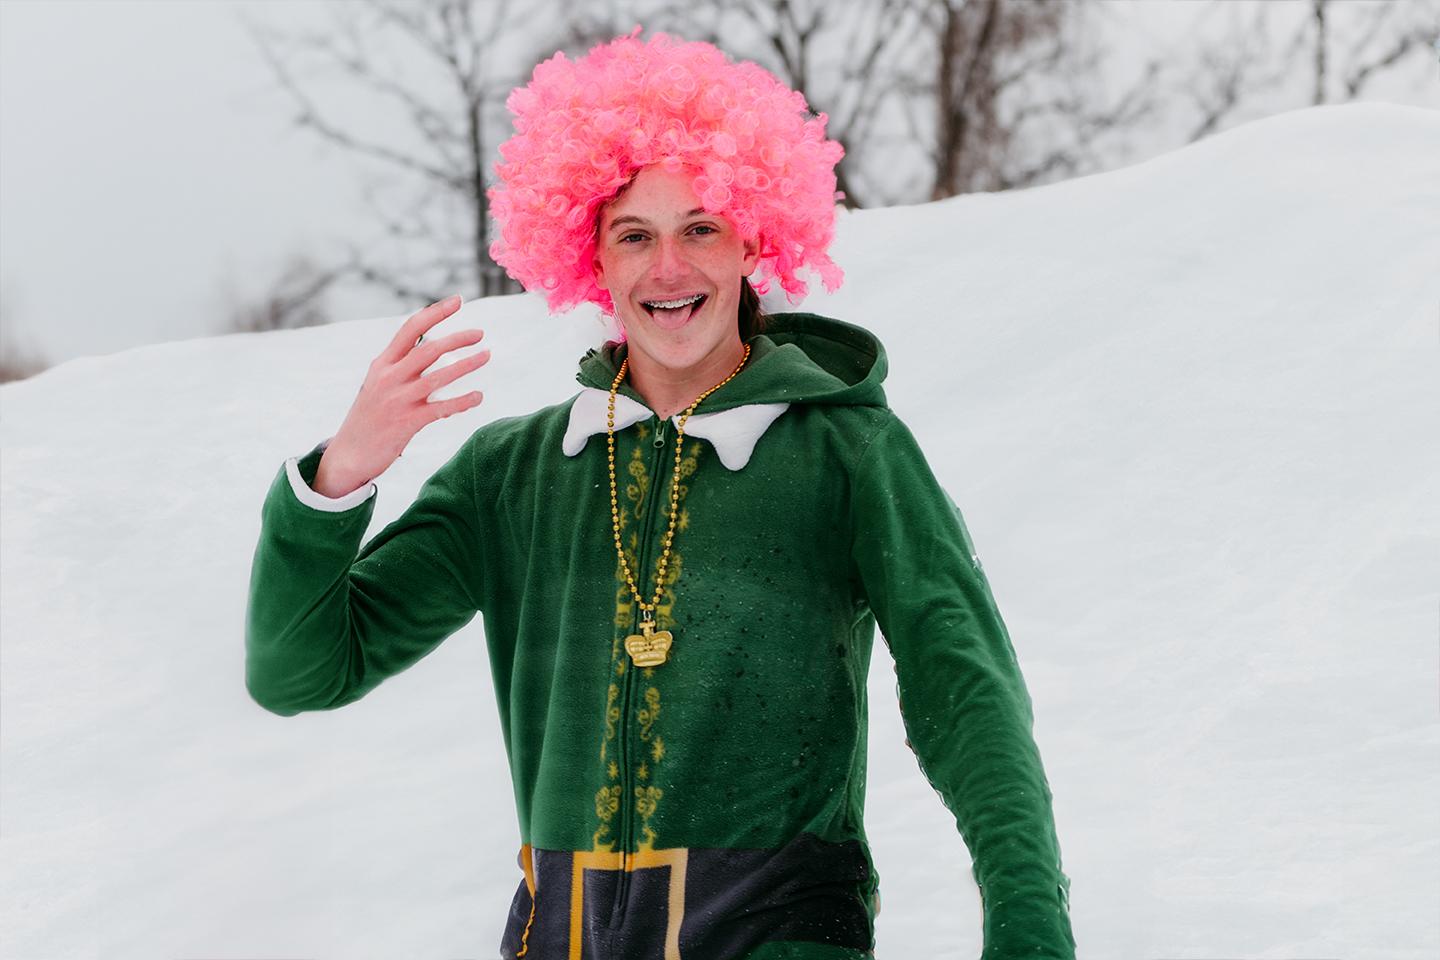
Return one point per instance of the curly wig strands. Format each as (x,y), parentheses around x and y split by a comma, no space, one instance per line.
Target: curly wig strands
(584,128)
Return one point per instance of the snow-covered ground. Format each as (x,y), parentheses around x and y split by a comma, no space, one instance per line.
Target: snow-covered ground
(1191,410)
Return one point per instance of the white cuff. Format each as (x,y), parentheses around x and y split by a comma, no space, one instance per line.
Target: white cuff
(317,501)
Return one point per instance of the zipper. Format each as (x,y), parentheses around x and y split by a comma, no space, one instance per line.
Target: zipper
(657,494)
(627,792)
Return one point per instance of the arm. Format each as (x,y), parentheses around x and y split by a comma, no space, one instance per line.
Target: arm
(967,714)
(323,628)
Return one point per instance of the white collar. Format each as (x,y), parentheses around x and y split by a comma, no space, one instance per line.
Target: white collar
(733,433)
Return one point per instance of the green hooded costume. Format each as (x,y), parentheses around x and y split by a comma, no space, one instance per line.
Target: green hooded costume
(710,806)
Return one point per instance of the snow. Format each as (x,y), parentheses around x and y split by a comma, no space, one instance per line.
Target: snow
(1190,409)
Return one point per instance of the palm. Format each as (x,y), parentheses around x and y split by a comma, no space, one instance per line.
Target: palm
(394,402)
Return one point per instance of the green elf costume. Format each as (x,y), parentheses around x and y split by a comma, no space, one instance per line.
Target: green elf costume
(680,654)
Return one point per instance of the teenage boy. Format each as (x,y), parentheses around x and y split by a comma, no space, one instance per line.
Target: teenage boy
(681,568)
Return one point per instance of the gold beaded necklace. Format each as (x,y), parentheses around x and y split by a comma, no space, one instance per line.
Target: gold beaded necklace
(651,647)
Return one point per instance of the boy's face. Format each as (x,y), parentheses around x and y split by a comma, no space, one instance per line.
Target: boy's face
(673,272)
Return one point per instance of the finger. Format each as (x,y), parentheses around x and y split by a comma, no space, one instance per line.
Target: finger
(413,329)
(454,405)
(451,372)
(423,355)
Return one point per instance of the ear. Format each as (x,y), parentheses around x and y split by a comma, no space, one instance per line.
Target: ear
(599,269)
(752,257)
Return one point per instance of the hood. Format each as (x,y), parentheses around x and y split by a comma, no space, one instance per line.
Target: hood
(800,358)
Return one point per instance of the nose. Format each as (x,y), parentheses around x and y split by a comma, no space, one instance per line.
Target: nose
(670,262)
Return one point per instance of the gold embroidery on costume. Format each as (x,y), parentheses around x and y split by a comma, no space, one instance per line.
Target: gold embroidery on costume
(624,597)
(636,491)
(612,712)
(624,606)
(607,802)
(648,713)
(664,617)
(646,799)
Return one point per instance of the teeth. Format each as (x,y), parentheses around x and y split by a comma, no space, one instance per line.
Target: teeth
(672,304)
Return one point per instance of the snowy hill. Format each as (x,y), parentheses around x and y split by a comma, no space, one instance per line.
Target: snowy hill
(1189,408)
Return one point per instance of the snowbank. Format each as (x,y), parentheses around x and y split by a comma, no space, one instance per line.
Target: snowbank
(1190,409)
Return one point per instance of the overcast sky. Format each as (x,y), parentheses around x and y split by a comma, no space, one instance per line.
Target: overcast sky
(146,162)
(147,165)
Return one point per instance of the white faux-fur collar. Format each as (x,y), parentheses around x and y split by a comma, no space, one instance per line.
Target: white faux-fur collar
(733,433)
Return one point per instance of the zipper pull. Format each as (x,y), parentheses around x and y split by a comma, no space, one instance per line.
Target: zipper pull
(660,434)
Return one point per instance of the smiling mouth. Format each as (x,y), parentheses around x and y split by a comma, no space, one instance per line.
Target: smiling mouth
(673,310)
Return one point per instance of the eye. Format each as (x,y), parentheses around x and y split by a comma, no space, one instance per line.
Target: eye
(631,238)
(703,228)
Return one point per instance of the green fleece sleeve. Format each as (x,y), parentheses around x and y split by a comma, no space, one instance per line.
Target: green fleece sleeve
(967,714)
(324,627)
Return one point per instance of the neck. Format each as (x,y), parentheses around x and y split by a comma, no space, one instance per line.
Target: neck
(668,390)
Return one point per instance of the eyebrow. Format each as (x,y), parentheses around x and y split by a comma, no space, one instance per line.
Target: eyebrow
(630,218)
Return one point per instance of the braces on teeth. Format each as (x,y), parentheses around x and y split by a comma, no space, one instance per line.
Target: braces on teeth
(672,304)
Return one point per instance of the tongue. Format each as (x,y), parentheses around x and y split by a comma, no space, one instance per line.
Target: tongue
(672,316)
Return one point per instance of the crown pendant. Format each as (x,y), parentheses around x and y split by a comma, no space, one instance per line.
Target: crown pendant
(649,647)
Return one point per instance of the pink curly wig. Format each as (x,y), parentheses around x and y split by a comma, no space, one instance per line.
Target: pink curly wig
(584,128)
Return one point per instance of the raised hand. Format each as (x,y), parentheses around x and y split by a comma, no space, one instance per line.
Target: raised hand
(393,404)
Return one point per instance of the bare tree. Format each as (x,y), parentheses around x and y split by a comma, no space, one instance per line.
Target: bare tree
(931,98)
(936,97)
(975,46)
(1384,36)
(853,61)
(1016,94)
(18,357)
(1241,64)
(1381,35)
(296,298)
(1318,10)
(1250,62)
(435,75)
(17,362)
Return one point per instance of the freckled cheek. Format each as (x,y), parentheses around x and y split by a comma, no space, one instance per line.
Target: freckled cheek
(623,274)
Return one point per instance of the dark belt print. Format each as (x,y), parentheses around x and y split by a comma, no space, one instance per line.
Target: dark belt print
(697,904)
